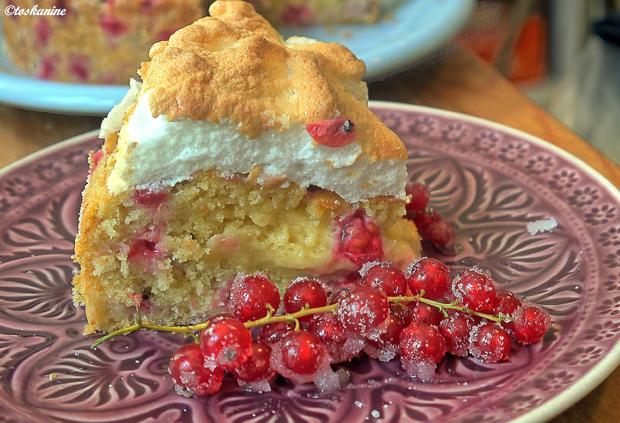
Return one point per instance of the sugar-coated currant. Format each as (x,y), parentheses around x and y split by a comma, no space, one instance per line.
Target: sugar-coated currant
(385,346)
(302,352)
(256,367)
(507,303)
(190,376)
(385,276)
(455,329)
(530,324)
(391,336)
(429,275)
(424,313)
(363,310)
(225,343)
(273,332)
(476,291)
(327,327)
(489,343)
(422,342)
(249,296)
(340,345)
(302,293)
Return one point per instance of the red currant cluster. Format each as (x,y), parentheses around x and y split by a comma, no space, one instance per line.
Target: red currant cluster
(431,226)
(420,315)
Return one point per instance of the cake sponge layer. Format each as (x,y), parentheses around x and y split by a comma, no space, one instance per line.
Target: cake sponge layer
(178,248)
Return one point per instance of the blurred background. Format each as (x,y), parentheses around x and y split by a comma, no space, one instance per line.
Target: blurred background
(564,54)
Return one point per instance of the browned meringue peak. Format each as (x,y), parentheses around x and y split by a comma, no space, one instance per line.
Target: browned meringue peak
(234,66)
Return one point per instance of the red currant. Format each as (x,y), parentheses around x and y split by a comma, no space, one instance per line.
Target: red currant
(273,332)
(340,293)
(489,343)
(363,310)
(424,313)
(225,343)
(455,329)
(385,346)
(112,26)
(332,133)
(441,234)
(385,276)
(358,239)
(508,303)
(249,296)
(429,275)
(340,346)
(302,352)
(530,324)
(257,365)
(96,159)
(189,375)
(353,278)
(419,198)
(304,292)
(144,251)
(476,291)
(424,220)
(403,311)
(149,199)
(395,326)
(422,342)
(327,328)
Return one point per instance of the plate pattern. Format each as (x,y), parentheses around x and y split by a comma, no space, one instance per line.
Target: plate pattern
(488,181)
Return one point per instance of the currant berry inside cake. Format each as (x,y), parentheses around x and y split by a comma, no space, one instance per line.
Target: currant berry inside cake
(239,153)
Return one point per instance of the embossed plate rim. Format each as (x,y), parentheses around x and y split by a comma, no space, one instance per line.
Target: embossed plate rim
(559,403)
(601,370)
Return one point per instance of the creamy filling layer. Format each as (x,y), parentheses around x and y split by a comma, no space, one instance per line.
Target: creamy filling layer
(154,151)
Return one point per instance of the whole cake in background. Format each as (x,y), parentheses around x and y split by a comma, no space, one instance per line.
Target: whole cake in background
(105,41)
(95,41)
(238,153)
(311,12)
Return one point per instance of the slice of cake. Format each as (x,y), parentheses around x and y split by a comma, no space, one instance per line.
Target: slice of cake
(238,153)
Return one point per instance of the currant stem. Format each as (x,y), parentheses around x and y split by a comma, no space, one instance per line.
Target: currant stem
(444,306)
(293,317)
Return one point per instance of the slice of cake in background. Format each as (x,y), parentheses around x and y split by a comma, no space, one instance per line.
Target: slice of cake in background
(95,41)
(312,12)
(238,153)
(104,41)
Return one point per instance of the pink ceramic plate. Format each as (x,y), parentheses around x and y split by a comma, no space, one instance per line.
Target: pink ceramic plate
(488,179)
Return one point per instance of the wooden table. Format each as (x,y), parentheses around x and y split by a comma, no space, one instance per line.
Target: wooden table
(454,80)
